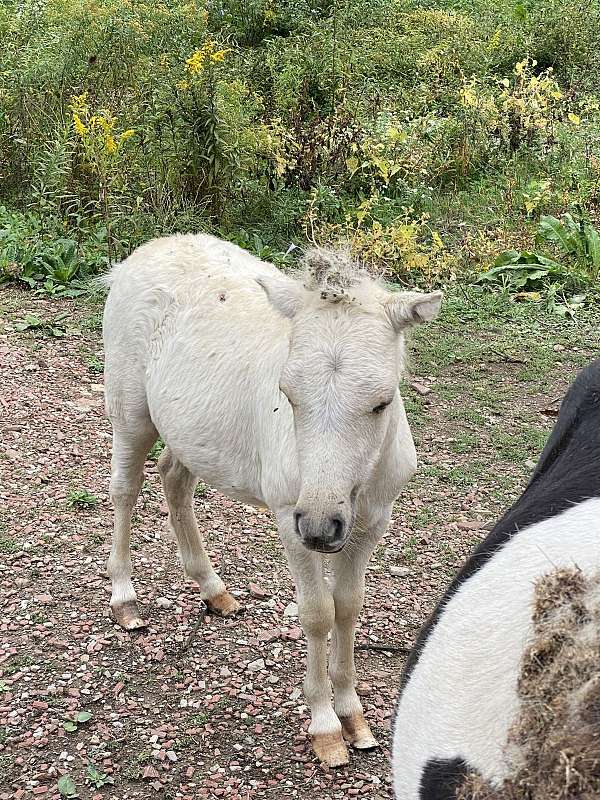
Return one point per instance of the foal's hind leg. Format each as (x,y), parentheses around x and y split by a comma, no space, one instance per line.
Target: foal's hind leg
(130,447)
(179,485)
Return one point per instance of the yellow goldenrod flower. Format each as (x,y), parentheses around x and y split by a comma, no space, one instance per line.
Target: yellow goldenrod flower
(208,52)
(468,97)
(109,144)
(80,128)
(195,63)
(218,55)
(127,134)
(573,118)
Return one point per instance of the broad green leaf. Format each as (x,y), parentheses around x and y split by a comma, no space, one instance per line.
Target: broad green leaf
(66,786)
(553,230)
(69,726)
(507,257)
(84,716)
(593,245)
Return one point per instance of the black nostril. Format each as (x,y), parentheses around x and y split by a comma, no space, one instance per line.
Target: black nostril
(297,518)
(337,523)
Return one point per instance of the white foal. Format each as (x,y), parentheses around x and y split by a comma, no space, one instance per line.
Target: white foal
(277,392)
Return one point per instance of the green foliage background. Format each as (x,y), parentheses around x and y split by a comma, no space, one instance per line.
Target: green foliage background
(431,135)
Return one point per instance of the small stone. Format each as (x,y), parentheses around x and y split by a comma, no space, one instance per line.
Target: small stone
(420,388)
(399,572)
(256,666)
(164,602)
(291,610)
(150,773)
(469,525)
(558,348)
(258,592)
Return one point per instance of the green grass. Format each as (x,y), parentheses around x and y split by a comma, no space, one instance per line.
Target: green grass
(95,365)
(464,442)
(519,446)
(15,664)
(201,490)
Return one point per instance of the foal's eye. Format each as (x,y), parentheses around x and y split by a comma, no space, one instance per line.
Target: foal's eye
(381,407)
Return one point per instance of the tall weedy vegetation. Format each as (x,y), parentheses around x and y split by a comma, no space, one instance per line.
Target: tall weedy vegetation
(431,136)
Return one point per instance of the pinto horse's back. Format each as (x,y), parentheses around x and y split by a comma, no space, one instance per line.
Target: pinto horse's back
(460,689)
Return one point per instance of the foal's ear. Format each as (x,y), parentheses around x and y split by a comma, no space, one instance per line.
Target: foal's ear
(284,294)
(406,309)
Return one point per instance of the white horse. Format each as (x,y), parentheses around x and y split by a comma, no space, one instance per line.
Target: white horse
(276,392)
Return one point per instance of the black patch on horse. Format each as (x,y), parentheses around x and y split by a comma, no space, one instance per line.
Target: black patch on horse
(441,779)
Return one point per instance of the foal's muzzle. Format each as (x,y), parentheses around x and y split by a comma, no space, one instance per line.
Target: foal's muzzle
(324,534)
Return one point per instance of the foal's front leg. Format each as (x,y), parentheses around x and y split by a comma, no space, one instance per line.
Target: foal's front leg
(316,611)
(349,568)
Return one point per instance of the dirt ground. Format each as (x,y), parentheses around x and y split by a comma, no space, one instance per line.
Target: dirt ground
(196,706)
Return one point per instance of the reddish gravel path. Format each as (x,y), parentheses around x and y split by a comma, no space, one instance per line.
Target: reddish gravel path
(192,706)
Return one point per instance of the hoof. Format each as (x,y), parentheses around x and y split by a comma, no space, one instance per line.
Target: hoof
(127,615)
(357,732)
(330,749)
(223,604)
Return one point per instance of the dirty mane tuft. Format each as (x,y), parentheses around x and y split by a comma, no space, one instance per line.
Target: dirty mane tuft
(336,276)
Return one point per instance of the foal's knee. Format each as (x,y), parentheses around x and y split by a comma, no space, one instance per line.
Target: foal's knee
(348,604)
(316,614)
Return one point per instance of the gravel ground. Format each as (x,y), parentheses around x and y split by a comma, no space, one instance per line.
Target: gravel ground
(196,706)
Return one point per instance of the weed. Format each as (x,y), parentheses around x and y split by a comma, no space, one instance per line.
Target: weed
(96,777)
(464,442)
(410,549)
(81,498)
(15,664)
(423,517)
(95,365)
(37,325)
(8,544)
(201,490)
(156,450)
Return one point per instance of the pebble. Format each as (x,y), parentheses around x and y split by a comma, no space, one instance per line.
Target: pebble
(399,572)
(256,666)
(291,610)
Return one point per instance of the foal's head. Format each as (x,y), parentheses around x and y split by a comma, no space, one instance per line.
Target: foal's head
(341,379)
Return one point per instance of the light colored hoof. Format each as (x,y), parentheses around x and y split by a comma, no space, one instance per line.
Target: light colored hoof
(330,749)
(127,615)
(224,604)
(357,732)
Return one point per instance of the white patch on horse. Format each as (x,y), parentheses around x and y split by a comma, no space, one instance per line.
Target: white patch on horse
(461,698)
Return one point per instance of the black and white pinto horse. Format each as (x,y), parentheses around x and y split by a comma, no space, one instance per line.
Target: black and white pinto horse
(459,694)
